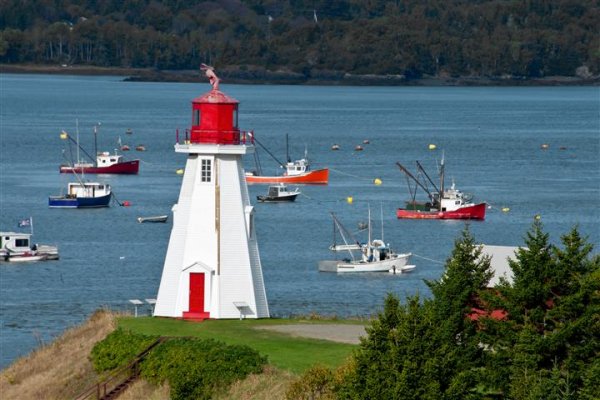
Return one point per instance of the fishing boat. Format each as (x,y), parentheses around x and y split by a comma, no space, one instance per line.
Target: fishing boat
(297,171)
(103,163)
(278,193)
(442,203)
(373,256)
(17,247)
(83,195)
(157,218)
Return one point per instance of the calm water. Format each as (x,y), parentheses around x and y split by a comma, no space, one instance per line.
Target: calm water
(491,138)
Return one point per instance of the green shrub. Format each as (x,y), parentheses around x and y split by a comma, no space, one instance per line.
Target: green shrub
(316,383)
(118,348)
(196,368)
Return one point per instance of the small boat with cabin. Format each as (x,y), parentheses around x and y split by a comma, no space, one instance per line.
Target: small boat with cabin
(17,247)
(103,163)
(373,256)
(278,194)
(442,203)
(82,195)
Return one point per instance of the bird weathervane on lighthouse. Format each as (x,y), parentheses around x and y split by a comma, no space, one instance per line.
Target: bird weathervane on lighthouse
(211,75)
(212,268)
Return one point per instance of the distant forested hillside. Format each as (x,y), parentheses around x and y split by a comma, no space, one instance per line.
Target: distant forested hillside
(412,38)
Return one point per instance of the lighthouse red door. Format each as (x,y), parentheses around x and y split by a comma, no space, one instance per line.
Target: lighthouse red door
(196,299)
(196,292)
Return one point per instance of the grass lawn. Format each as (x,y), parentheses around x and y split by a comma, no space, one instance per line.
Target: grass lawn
(283,351)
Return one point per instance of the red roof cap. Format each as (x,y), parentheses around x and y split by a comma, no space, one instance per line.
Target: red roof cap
(215,97)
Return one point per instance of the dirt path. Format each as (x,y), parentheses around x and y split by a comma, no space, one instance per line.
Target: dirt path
(343,333)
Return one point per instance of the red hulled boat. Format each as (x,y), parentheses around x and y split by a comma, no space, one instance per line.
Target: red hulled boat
(105,163)
(443,203)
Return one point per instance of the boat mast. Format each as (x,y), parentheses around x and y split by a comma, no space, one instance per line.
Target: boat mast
(77,131)
(96,142)
(442,178)
(287,149)
(411,176)
(381,212)
(369,237)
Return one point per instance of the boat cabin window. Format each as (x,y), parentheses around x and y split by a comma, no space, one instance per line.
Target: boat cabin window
(196,117)
(113,159)
(206,171)
(22,242)
(103,161)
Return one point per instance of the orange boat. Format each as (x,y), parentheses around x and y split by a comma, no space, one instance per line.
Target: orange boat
(296,172)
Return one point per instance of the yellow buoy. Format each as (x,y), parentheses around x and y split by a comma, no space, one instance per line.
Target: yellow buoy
(538,217)
(377,181)
(64,135)
(179,171)
(432,146)
(349,199)
(505,209)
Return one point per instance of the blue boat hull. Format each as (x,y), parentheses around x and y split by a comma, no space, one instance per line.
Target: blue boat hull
(78,202)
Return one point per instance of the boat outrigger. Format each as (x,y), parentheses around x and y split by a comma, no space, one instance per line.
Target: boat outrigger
(373,256)
(297,171)
(104,163)
(442,204)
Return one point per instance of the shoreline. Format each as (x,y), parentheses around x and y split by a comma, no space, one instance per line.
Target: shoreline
(260,76)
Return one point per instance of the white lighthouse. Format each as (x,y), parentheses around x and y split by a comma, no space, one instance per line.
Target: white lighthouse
(212,268)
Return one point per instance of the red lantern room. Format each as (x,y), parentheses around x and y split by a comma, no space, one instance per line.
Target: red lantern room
(215,119)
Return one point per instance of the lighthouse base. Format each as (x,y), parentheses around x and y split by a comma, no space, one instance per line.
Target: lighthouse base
(196,316)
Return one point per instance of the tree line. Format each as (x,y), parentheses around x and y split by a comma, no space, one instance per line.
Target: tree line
(411,38)
(537,337)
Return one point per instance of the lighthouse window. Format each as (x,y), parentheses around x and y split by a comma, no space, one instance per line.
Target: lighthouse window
(235,118)
(196,119)
(205,171)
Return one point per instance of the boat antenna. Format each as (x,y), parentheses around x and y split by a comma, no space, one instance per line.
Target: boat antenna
(287,149)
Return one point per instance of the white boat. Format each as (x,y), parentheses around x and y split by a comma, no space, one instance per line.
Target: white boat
(373,256)
(17,247)
(157,218)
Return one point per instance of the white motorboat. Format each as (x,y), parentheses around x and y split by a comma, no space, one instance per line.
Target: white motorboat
(17,247)
(373,256)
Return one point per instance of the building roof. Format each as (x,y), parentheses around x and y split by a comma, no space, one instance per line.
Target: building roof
(499,262)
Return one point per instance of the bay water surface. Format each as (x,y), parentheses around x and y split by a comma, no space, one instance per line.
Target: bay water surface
(491,137)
